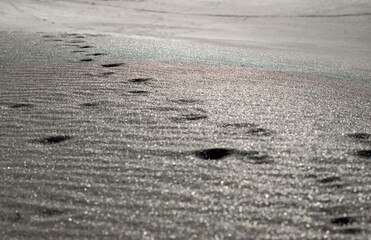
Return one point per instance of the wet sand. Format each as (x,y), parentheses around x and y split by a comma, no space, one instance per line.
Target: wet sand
(99,142)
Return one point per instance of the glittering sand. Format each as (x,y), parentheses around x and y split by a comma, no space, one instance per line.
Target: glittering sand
(107,137)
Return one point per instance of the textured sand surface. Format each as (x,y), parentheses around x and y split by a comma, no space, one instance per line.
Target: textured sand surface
(185,120)
(135,149)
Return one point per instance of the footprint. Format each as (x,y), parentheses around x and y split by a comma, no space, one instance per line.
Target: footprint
(363,153)
(106,74)
(341,221)
(87,46)
(310,175)
(220,153)
(140,80)
(21,105)
(360,136)
(50,211)
(189,117)
(214,153)
(138,92)
(109,65)
(78,51)
(86,60)
(90,104)
(95,54)
(54,139)
(330,179)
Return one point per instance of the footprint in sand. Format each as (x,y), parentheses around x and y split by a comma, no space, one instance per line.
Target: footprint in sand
(86,46)
(140,80)
(138,92)
(254,157)
(360,137)
(96,54)
(91,104)
(54,139)
(363,153)
(330,179)
(189,117)
(341,221)
(49,212)
(332,182)
(110,65)
(104,74)
(86,60)
(21,105)
(214,153)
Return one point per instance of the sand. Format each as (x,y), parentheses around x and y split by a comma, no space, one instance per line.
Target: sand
(109,136)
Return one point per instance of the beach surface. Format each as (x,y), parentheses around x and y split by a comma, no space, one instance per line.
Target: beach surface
(178,120)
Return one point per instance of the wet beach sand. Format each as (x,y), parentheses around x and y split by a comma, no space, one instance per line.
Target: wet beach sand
(106,136)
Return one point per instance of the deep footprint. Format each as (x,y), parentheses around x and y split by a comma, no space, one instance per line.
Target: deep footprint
(363,153)
(360,136)
(214,153)
(220,153)
(341,221)
(112,65)
(54,139)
